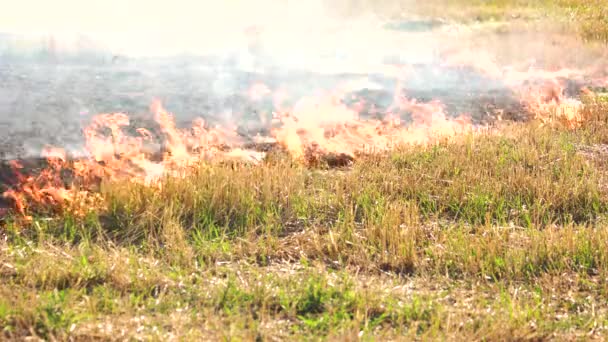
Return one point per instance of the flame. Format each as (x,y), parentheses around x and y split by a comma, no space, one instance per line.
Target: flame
(327,126)
(115,155)
(47,189)
(313,127)
(118,155)
(549,104)
(542,92)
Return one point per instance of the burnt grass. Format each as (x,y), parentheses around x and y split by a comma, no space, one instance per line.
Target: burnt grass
(50,102)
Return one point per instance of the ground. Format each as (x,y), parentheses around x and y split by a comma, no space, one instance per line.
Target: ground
(498,234)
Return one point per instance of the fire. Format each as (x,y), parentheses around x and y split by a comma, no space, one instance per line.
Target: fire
(116,155)
(314,127)
(327,126)
(119,155)
(550,103)
(542,92)
(47,190)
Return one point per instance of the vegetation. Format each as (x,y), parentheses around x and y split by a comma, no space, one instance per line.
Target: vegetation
(588,17)
(501,234)
(490,235)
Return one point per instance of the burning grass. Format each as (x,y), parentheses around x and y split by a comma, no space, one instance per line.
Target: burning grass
(316,131)
(492,235)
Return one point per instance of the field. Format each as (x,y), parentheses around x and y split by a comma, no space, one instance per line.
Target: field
(496,234)
(588,18)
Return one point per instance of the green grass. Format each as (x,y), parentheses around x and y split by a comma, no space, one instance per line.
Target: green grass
(587,17)
(487,236)
(141,297)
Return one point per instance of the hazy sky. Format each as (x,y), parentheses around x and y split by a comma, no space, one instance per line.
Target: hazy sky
(145,15)
(168,24)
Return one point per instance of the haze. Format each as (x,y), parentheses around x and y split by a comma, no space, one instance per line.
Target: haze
(132,25)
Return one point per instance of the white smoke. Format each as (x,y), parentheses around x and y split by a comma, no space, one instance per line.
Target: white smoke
(156,27)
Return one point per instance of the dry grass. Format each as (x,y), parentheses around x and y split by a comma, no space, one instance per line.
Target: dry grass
(494,235)
(588,17)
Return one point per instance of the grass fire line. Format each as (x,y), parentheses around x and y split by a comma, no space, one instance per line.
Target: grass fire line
(316,130)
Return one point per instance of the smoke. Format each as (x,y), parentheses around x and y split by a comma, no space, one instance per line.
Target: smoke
(142,27)
(63,61)
(290,32)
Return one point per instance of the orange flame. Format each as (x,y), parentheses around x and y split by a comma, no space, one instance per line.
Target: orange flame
(542,92)
(550,103)
(115,155)
(325,125)
(314,126)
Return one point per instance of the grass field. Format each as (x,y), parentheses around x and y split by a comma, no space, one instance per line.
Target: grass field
(589,18)
(488,236)
(493,235)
